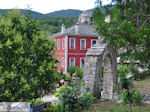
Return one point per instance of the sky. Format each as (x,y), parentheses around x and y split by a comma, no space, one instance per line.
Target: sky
(46,6)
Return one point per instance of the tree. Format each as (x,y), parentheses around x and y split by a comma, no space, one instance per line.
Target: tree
(126,86)
(128,30)
(129,95)
(27,64)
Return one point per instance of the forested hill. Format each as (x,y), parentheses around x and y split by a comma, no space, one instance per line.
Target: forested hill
(23,12)
(60,13)
(65,13)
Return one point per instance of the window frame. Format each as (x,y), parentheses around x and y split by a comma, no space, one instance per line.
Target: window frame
(70,47)
(92,42)
(58,43)
(70,62)
(63,43)
(62,61)
(81,62)
(81,44)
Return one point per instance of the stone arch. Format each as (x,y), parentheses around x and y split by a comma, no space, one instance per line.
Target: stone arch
(93,67)
(110,73)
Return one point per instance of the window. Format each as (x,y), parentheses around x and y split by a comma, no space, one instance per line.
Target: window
(82,44)
(58,44)
(63,43)
(93,42)
(72,62)
(82,62)
(62,62)
(72,43)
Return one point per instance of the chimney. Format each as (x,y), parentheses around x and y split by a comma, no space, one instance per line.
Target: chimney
(77,28)
(62,29)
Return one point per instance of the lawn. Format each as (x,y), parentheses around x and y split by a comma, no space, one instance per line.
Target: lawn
(109,106)
(143,86)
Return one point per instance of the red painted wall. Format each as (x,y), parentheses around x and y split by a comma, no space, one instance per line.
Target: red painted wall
(60,53)
(76,53)
(77,44)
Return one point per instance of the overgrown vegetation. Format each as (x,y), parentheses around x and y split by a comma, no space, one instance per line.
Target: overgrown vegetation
(126,30)
(77,70)
(69,94)
(27,59)
(129,95)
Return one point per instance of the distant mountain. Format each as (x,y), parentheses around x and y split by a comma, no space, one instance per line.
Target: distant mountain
(61,13)
(34,14)
(65,13)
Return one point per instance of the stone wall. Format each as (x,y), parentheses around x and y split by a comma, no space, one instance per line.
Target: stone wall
(96,57)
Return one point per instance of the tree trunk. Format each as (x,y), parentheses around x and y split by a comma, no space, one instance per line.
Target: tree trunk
(130,107)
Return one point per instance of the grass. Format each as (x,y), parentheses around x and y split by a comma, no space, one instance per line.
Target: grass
(142,86)
(109,106)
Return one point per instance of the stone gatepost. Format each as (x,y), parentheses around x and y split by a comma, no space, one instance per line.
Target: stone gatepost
(92,67)
(110,74)
(96,57)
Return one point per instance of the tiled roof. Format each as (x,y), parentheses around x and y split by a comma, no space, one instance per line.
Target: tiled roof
(79,30)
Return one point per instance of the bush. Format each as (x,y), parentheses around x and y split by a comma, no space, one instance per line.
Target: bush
(86,100)
(52,108)
(77,70)
(68,98)
(35,102)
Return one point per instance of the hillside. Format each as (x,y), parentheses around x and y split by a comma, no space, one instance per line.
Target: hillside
(23,12)
(65,13)
(60,13)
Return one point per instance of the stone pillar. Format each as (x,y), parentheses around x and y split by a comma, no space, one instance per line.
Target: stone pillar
(92,69)
(95,56)
(110,74)
(66,53)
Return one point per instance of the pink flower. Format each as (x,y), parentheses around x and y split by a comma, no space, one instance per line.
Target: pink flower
(57,85)
(62,81)
(74,74)
(72,77)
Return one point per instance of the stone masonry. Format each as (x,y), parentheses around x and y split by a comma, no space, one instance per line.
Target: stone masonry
(96,57)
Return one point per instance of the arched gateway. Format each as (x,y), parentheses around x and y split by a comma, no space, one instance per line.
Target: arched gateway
(101,58)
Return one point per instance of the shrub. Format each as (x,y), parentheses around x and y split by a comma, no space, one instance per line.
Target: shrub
(71,69)
(52,108)
(68,98)
(77,70)
(35,102)
(86,100)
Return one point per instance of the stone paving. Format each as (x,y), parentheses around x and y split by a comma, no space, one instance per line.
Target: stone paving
(49,98)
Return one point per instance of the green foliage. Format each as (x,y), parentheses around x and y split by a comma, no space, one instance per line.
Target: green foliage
(124,83)
(52,108)
(128,30)
(35,102)
(86,100)
(77,70)
(68,98)
(26,59)
(129,95)
(53,25)
(137,98)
